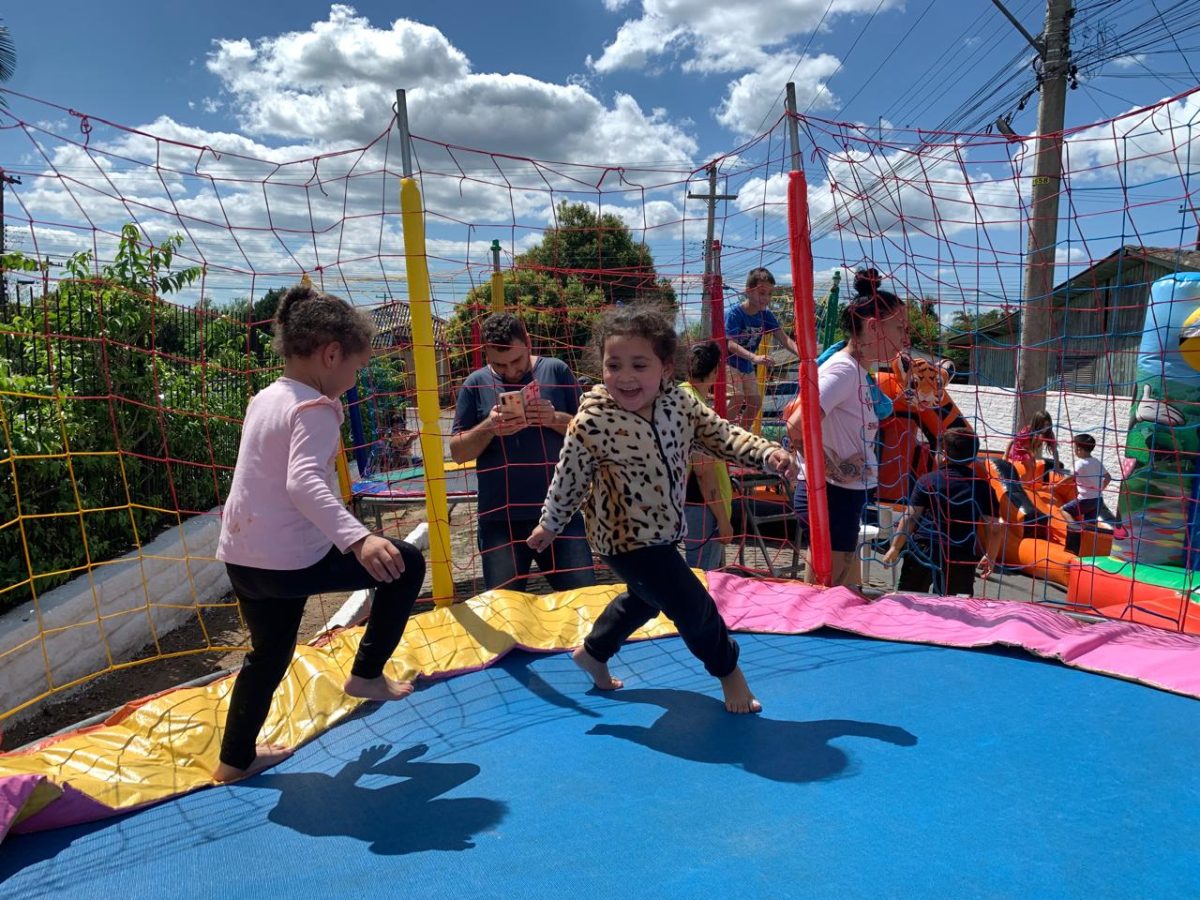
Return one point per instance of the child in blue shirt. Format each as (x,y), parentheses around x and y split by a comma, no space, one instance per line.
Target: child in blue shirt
(745,325)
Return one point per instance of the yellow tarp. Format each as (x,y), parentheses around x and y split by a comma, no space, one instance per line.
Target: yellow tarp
(168,744)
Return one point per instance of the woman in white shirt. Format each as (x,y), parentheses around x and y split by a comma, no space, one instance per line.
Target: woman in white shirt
(876,325)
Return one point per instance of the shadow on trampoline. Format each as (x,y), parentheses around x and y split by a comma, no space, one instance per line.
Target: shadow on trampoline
(399,818)
(697,728)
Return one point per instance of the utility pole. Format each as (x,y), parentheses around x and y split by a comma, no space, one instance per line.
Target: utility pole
(712,197)
(5,179)
(1053,48)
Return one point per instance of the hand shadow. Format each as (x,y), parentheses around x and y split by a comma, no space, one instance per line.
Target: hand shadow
(698,728)
(399,818)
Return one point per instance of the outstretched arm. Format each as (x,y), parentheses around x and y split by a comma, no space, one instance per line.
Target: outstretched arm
(908,524)
(572,479)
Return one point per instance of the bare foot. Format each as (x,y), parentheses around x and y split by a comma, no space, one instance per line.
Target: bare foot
(738,698)
(598,670)
(268,755)
(381,688)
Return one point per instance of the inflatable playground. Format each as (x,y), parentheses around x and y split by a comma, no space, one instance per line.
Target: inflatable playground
(908,744)
(1147,571)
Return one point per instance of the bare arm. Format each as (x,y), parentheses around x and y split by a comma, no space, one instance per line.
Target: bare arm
(736,349)
(908,524)
(838,470)
(468,445)
(543,414)
(706,476)
(786,339)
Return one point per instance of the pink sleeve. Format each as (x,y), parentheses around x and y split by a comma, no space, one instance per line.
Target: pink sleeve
(315,432)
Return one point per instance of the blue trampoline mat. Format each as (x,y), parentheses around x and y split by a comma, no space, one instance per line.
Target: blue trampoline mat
(876,769)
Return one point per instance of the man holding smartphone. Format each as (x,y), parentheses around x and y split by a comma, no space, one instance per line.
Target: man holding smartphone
(511,417)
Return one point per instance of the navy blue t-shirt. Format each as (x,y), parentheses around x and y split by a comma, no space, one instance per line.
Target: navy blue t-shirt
(514,472)
(955,500)
(748,331)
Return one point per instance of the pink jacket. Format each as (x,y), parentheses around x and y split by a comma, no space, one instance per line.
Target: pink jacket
(282,511)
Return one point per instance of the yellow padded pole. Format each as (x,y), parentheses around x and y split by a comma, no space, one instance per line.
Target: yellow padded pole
(420,306)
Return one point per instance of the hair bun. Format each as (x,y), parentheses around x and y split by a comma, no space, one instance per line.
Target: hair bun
(867,281)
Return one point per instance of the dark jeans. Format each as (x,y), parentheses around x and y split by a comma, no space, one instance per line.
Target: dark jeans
(918,576)
(1092,510)
(272,603)
(657,579)
(566,563)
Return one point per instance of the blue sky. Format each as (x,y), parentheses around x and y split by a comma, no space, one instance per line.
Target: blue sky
(673,83)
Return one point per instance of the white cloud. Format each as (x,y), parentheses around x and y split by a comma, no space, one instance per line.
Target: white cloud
(720,37)
(336,83)
(310,183)
(1158,142)
(753,100)
(1065,255)
(1127,62)
(934,194)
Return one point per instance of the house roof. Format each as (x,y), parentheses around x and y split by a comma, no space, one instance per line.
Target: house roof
(394,323)
(1098,273)
(1102,270)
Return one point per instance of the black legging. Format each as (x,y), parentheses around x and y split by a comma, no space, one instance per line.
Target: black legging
(272,603)
(658,579)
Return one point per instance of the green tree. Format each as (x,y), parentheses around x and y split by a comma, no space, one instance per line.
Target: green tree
(599,252)
(8,58)
(964,322)
(924,328)
(559,286)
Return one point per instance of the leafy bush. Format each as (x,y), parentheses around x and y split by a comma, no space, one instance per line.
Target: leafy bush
(120,412)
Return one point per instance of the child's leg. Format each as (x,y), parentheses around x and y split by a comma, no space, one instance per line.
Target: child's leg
(621,618)
(915,576)
(273,624)
(659,578)
(749,401)
(390,610)
(960,577)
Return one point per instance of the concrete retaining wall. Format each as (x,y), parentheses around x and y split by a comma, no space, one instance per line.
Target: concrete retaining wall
(109,614)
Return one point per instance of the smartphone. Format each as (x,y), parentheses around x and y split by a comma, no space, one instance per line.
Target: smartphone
(531,392)
(513,402)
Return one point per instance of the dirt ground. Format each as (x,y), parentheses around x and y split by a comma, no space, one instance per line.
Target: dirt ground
(224,629)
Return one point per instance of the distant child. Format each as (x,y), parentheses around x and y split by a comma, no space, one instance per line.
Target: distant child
(624,459)
(1091,478)
(745,325)
(709,491)
(285,533)
(1027,445)
(400,441)
(950,521)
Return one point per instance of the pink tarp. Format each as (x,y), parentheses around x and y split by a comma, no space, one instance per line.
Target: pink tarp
(1135,652)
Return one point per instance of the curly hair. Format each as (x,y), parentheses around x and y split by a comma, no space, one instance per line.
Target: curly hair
(644,320)
(503,330)
(308,319)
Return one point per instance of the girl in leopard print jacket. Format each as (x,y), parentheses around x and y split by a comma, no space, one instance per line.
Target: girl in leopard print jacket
(625,458)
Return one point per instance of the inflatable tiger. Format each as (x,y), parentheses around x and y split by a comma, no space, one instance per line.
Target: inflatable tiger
(922,411)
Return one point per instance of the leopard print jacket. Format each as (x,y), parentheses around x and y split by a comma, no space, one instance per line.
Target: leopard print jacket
(629,473)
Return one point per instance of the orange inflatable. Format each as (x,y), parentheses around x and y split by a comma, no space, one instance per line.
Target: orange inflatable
(1039,538)
(921,407)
